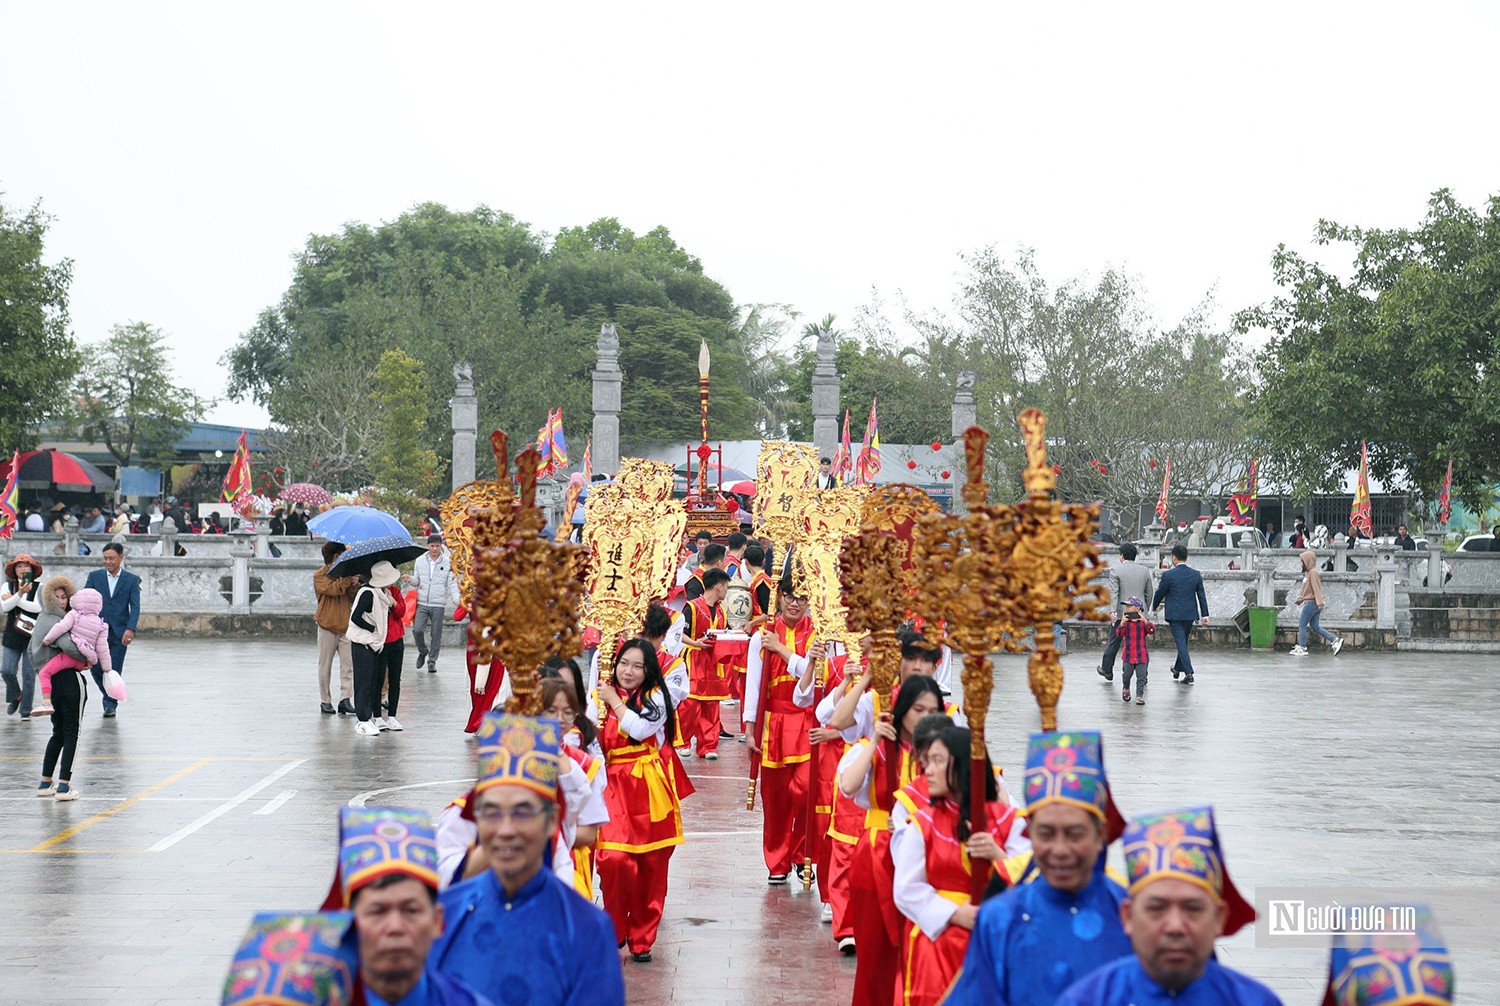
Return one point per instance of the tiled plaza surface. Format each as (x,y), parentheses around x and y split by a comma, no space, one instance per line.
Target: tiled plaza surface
(214,794)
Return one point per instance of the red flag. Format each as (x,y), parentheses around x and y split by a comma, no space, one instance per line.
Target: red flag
(1242,503)
(588,458)
(237,489)
(843,458)
(1161,501)
(1359,513)
(9,498)
(867,465)
(1445,499)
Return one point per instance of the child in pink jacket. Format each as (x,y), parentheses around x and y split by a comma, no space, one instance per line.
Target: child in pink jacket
(90,634)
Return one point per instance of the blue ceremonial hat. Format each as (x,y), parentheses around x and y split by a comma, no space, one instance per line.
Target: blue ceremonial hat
(1184,845)
(376,842)
(295,959)
(1068,768)
(1409,969)
(519,750)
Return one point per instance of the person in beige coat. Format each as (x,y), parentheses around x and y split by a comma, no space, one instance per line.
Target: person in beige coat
(335,595)
(1310,603)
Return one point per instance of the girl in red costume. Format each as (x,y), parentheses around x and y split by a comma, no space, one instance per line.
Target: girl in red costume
(933,854)
(863,776)
(645,806)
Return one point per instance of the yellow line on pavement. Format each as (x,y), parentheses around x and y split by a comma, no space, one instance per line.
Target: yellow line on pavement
(125,804)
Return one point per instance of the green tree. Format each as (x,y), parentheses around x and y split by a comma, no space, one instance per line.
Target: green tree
(1401,353)
(127,400)
(406,473)
(40,356)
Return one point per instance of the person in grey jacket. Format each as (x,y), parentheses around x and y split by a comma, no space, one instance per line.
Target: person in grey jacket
(437,593)
(1128,579)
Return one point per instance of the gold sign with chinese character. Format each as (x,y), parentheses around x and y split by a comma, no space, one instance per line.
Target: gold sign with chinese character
(785,474)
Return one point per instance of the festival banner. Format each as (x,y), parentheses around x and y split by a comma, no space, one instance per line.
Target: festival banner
(1162,509)
(237,491)
(867,466)
(1359,512)
(588,458)
(10,498)
(1246,497)
(843,458)
(1445,498)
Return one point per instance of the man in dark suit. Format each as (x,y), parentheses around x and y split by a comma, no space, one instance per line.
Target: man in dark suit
(121,591)
(1181,591)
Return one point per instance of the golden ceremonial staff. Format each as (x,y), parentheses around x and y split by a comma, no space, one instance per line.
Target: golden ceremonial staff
(784,475)
(526,589)
(829,516)
(996,571)
(624,564)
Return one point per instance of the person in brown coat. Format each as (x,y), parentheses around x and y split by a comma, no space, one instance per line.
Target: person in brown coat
(335,595)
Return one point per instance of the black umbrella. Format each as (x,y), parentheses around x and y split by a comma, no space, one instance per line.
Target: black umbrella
(358,558)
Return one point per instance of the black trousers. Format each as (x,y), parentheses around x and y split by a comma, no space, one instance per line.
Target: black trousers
(70,695)
(1111,650)
(371,673)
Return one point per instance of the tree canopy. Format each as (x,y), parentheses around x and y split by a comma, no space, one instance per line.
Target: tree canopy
(40,356)
(479,286)
(126,397)
(1402,353)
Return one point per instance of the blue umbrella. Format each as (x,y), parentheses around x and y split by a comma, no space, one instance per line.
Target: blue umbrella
(357,559)
(349,524)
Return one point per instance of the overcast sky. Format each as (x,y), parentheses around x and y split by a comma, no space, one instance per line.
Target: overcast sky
(805,152)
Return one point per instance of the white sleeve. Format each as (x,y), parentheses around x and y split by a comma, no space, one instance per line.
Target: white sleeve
(678,684)
(455,837)
(1016,842)
(31,607)
(864,720)
(861,795)
(562,853)
(8,600)
(638,727)
(943,673)
(754,662)
(595,810)
(827,705)
(575,788)
(915,897)
(673,643)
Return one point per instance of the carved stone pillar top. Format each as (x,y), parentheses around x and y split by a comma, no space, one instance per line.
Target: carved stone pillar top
(608,348)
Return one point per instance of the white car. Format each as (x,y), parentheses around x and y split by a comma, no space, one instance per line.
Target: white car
(1478,543)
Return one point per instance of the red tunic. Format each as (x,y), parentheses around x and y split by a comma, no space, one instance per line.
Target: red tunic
(708,678)
(928,967)
(784,740)
(645,811)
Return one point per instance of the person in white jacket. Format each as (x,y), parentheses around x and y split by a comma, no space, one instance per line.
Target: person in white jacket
(437,594)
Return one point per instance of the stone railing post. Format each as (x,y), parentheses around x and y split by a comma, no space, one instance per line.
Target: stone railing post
(168,538)
(263,538)
(1265,581)
(70,535)
(239,573)
(1435,558)
(1247,552)
(1385,586)
(1340,545)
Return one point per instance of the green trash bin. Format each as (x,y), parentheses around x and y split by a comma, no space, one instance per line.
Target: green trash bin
(1263,628)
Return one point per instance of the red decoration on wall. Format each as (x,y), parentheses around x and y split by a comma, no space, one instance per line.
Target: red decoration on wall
(947,474)
(912,465)
(937,446)
(1057,469)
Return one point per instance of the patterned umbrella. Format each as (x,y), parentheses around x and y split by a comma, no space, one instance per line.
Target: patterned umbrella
(357,559)
(55,469)
(306,492)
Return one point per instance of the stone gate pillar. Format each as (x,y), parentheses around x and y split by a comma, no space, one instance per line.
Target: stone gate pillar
(608,379)
(825,396)
(964,415)
(465,409)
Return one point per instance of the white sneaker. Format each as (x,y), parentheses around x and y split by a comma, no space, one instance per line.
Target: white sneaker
(827,913)
(1338,644)
(380,724)
(1299,651)
(391,723)
(366,729)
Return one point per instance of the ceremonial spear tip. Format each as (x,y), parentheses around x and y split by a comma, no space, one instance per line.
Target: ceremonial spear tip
(703,358)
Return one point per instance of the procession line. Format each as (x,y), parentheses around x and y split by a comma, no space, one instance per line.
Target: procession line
(225,807)
(125,804)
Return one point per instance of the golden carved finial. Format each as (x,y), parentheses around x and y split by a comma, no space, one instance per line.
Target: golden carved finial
(999,572)
(523,590)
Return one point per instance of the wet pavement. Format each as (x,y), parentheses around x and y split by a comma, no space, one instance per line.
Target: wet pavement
(214,794)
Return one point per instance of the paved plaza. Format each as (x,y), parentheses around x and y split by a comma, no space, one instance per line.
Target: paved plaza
(215,792)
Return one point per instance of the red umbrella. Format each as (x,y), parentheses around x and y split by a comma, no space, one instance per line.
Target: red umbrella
(742,488)
(57,470)
(306,492)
